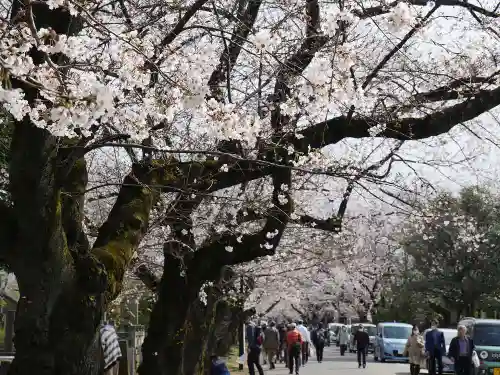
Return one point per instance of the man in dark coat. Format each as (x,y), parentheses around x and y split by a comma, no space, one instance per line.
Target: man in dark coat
(362,341)
(460,352)
(318,339)
(250,333)
(435,347)
(253,358)
(282,349)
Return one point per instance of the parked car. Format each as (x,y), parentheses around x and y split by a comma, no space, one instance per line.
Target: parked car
(449,333)
(371,329)
(486,336)
(391,340)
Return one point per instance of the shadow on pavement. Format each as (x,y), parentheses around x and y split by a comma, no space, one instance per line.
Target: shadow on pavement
(341,359)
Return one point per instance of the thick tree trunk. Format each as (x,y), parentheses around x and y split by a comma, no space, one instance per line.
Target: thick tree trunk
(54,327)
(197,329)
(163,346)
(224,329)
(64,285)
(50,304)
(63,342)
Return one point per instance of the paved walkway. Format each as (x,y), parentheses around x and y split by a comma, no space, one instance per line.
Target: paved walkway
(334,364)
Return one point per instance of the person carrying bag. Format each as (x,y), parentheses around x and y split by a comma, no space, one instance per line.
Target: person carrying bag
(414,349)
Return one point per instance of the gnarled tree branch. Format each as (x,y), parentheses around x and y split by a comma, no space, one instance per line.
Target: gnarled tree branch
(128,220)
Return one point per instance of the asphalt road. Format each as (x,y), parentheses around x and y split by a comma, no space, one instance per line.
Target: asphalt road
(334,364)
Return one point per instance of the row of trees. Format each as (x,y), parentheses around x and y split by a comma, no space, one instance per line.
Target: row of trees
(440,261)
(451,258)
(344,277)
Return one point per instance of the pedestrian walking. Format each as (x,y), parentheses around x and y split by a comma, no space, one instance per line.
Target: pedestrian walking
(271,344)
(250,333)
(460,352)
(435,348)
(289,327)
(361,340)
(294,342)
(415,351)
(254,351)
(282,349)
(343,340)
(110,346)
(263,326)
(318,338)
(306,340)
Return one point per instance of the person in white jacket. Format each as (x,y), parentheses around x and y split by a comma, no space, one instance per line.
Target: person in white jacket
(306,336)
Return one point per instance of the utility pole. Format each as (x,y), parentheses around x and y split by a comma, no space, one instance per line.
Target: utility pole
(241,331)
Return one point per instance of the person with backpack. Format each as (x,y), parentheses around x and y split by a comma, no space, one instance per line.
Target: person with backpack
(294,343)
(271,344)
(254,351)
(318,339)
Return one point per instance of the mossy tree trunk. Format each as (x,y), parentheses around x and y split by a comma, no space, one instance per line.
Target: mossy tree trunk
(64,284)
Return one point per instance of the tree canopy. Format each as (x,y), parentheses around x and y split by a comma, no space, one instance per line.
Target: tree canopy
(454,250)
(139,124)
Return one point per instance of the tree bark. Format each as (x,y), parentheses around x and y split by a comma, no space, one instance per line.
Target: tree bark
(64,285)
(162,348)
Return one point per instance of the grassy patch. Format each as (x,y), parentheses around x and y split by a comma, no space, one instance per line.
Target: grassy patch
(232,361)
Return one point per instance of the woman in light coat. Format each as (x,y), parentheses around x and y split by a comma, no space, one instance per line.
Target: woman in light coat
(414,349)
(343,339)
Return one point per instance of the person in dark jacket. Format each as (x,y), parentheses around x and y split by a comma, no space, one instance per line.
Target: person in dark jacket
(435,348)
(318,339)
(282,348)
(271,344)
(362,340)
(254,351)
(460,352)
(250,333)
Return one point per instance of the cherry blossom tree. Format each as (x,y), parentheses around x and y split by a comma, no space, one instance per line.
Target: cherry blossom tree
(331,275)
(201,102)
(375,256)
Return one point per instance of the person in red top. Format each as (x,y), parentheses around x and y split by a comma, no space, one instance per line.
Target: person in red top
(294,345)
